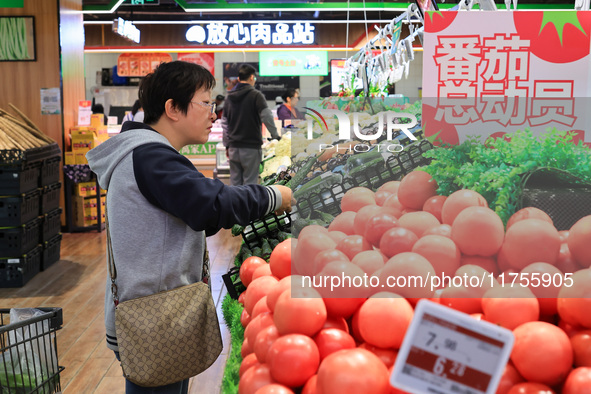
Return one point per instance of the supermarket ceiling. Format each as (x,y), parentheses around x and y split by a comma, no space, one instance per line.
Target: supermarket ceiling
(193,10)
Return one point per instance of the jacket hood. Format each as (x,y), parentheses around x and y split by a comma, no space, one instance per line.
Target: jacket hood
(104,158)
(239,92)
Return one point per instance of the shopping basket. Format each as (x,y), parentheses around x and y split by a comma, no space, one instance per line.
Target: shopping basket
(28,358)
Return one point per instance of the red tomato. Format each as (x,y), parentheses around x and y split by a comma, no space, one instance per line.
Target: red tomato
(330,340)
(258,288)
(438,21)
(474,275)
(416,188)
(530,388)
(335,322)
(400,273)
(246,348)
(241,298)
(293,359)
(531,241)
(280,260)
(510,307)
(249,265)
(274,389)
(397,240)
(342,307)
(244,318)
(546,295)
(434,205)
(488,263)
(542,353)
(458,201)
(260,307)
(336,235)
(308,246)
(574,302)
(280,287)
(461,299)
(384,319)
(263,342)
(256,325)
(263,270)
(381,196)
(555,43)
(529,213)
(310,386)
(440,251)
(388,356)
(377,225)
(254,378)
(300,311)
(478,231)
(442,229)
(570,329)
(353,371)
(581,343)
(328,256)
(356,198)
(341,279)
(509,378)
(391,186)
(353,244)
(363,216)
(393,205)
(578,241)
(369,261)
(418,222)
(578,381)
(248,362)
(344,222)
(565,261)
(563,234)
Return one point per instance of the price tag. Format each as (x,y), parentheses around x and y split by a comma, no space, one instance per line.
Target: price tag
(446,351)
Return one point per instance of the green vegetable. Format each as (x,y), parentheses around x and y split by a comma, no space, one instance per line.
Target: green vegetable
(300,175)
(257,251)
(322,216)
(273,242)
(244,253)
(361,162)
(266,249)
(282,236)
(495,169)
(323,181)
(237,230)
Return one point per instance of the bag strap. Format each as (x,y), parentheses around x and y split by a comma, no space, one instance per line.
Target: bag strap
(111,259)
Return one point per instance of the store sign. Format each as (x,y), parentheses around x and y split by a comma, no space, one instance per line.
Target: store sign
(126,29)
(290,63)
(489,73)
(140,64)
(254,34)
(206,149)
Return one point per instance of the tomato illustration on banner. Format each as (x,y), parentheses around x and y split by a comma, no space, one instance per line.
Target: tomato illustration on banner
(555,36)
(490,72)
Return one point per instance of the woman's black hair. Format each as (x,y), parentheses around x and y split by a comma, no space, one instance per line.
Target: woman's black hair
(136,107)
(289,93)
(175,80)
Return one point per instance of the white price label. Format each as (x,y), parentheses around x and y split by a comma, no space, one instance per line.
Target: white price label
(446,351)
(13,261)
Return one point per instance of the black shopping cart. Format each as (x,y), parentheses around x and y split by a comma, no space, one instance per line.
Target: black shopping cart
(28,353)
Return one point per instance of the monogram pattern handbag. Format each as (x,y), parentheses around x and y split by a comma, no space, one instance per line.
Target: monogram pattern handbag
(165,337)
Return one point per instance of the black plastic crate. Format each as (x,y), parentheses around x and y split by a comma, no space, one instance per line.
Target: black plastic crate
(254,233)
(51,252)
(50,225)
(17,271)
(19,209)
(50,198)
(29,359)
(21,157)
(50,171)
(19,179)
(14,241)
(232,282)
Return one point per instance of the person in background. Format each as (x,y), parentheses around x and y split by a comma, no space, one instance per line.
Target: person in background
(135,109)
(288,110)
(219,105)
(245,111)
(155,193)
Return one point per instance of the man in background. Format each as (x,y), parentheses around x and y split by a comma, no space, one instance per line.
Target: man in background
(219,105)
(245,110)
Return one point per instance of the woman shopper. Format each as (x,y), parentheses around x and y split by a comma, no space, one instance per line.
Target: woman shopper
(160,207)
(136,114)
(288,110)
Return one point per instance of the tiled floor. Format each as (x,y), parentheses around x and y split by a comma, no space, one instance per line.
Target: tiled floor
(77,284)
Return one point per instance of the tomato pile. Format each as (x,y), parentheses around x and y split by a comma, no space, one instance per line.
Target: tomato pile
(316,339)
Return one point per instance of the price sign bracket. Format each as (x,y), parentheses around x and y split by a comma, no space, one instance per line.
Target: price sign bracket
(446,351)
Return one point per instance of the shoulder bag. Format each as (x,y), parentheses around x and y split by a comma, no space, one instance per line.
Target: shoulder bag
(165,337)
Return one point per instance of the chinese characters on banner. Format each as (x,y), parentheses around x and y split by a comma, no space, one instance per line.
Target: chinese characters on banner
(216,33)
(140,64)
(483,73)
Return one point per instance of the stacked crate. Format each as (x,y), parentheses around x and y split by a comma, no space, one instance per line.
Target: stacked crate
(29,212)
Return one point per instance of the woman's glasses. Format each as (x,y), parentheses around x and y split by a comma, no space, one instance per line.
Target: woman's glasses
(212,105)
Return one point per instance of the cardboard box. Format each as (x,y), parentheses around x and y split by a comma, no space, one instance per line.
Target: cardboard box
(69,158)
(85,210)
(85,189)
(86,221)
(97,120)
(80,157)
